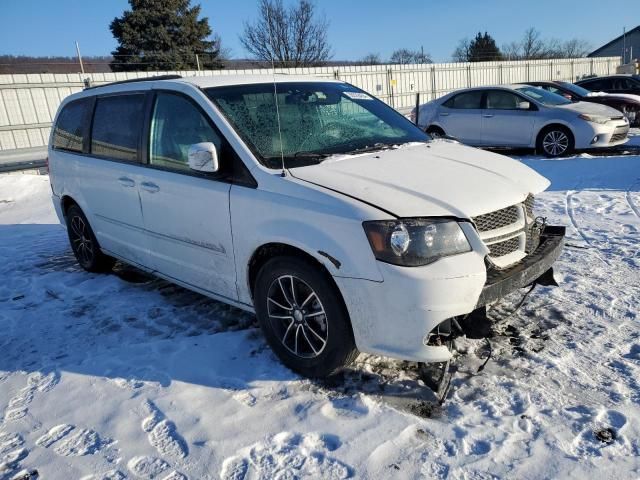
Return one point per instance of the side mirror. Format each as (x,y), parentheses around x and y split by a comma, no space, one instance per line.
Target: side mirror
(524,106)
(203,157)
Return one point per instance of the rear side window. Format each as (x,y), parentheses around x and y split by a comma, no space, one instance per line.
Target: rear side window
(117,121)
(68,134)
(467,101)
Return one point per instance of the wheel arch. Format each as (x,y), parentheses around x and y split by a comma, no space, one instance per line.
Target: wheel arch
(270,250)
(66,201)
(555,123)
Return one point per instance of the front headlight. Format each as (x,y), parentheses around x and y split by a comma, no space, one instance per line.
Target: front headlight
(415,241)
(594,118)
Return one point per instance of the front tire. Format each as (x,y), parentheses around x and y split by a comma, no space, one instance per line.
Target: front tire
(555,141)
(84,243)
(303,317)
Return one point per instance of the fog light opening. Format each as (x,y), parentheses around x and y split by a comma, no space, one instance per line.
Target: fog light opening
(595,139)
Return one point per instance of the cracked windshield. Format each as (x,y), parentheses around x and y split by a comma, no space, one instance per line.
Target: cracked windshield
(316,120)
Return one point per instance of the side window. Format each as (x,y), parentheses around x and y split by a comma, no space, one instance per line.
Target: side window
(68,134)
(600,85)
(466,100)
(501,100)
(117,121)
(177,124)
(624,84)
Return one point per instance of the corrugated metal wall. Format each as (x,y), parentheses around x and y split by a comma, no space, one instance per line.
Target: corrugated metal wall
(28,102)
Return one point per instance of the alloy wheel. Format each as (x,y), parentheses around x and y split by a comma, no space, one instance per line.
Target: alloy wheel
(81,240)
(555,143)
(297,316)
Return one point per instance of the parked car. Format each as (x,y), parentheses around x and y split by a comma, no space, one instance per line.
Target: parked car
(522,116)
(629,105)
(343,226)
(622,83)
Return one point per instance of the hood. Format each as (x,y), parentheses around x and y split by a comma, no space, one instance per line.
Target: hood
(625,96)
(591,109)
(440,178)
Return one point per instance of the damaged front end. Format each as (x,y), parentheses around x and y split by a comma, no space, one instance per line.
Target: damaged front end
(534,269)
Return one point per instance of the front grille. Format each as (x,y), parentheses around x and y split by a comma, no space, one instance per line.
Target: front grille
(528,206)
(498,219)
(619,134)
(501,249)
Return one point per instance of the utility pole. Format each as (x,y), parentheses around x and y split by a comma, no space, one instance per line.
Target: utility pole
(198,62)
(79,58)
(624,45)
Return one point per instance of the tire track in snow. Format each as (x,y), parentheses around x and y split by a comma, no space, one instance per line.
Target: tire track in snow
(574,223)
(634,208)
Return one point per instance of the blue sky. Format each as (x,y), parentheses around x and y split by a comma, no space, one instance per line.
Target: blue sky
(358,27)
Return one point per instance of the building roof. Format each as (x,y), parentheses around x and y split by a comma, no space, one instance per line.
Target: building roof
(636,29)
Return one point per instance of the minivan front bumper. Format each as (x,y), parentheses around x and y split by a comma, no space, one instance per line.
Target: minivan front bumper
(394,317)
(532,267)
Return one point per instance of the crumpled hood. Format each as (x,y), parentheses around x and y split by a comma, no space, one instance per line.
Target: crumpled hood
(440,178)
(591,108)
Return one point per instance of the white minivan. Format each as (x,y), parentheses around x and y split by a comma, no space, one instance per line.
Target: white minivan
(342,225)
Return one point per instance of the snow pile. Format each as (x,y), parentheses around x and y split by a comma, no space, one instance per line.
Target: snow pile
(125,376)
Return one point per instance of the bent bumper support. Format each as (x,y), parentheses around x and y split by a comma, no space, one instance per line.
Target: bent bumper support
(535,268)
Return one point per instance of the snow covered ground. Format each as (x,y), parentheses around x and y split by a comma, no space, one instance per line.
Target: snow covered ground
(124,376)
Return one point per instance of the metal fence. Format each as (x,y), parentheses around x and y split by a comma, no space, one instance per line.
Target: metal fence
(28,102)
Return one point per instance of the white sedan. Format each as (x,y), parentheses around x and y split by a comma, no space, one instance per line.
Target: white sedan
(522,116)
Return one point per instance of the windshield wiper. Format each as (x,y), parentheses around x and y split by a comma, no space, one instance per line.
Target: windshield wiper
(310,155)
(372,148)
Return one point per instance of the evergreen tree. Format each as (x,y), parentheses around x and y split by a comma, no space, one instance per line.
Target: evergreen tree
(163,35)
(483,48)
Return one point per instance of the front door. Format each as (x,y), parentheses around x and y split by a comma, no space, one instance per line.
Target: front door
(186,214)
(504,122)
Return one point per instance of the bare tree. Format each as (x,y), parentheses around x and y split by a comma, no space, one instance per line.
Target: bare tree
(290,37)
(574,48)
(419,56)
(462,53)
(371,59)
(402,56)
(405,55)
(534,47)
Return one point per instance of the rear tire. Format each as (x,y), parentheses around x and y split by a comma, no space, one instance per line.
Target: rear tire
(555,141)
(303,317)
(84,243)
(435,132)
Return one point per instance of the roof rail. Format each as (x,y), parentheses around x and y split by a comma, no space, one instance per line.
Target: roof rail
(133,80)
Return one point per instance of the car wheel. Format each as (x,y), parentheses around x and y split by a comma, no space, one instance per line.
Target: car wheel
(435,132)
(84,244)
(555,142)
(303,317)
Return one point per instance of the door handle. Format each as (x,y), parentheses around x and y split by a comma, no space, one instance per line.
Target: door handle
(126,182)
(444,114)
(150,187)
(487,115)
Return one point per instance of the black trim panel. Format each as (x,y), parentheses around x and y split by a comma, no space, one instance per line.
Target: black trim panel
(531,268)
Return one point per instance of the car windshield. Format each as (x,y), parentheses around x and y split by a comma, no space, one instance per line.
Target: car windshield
(546,98)
(317,119)
(576,89)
